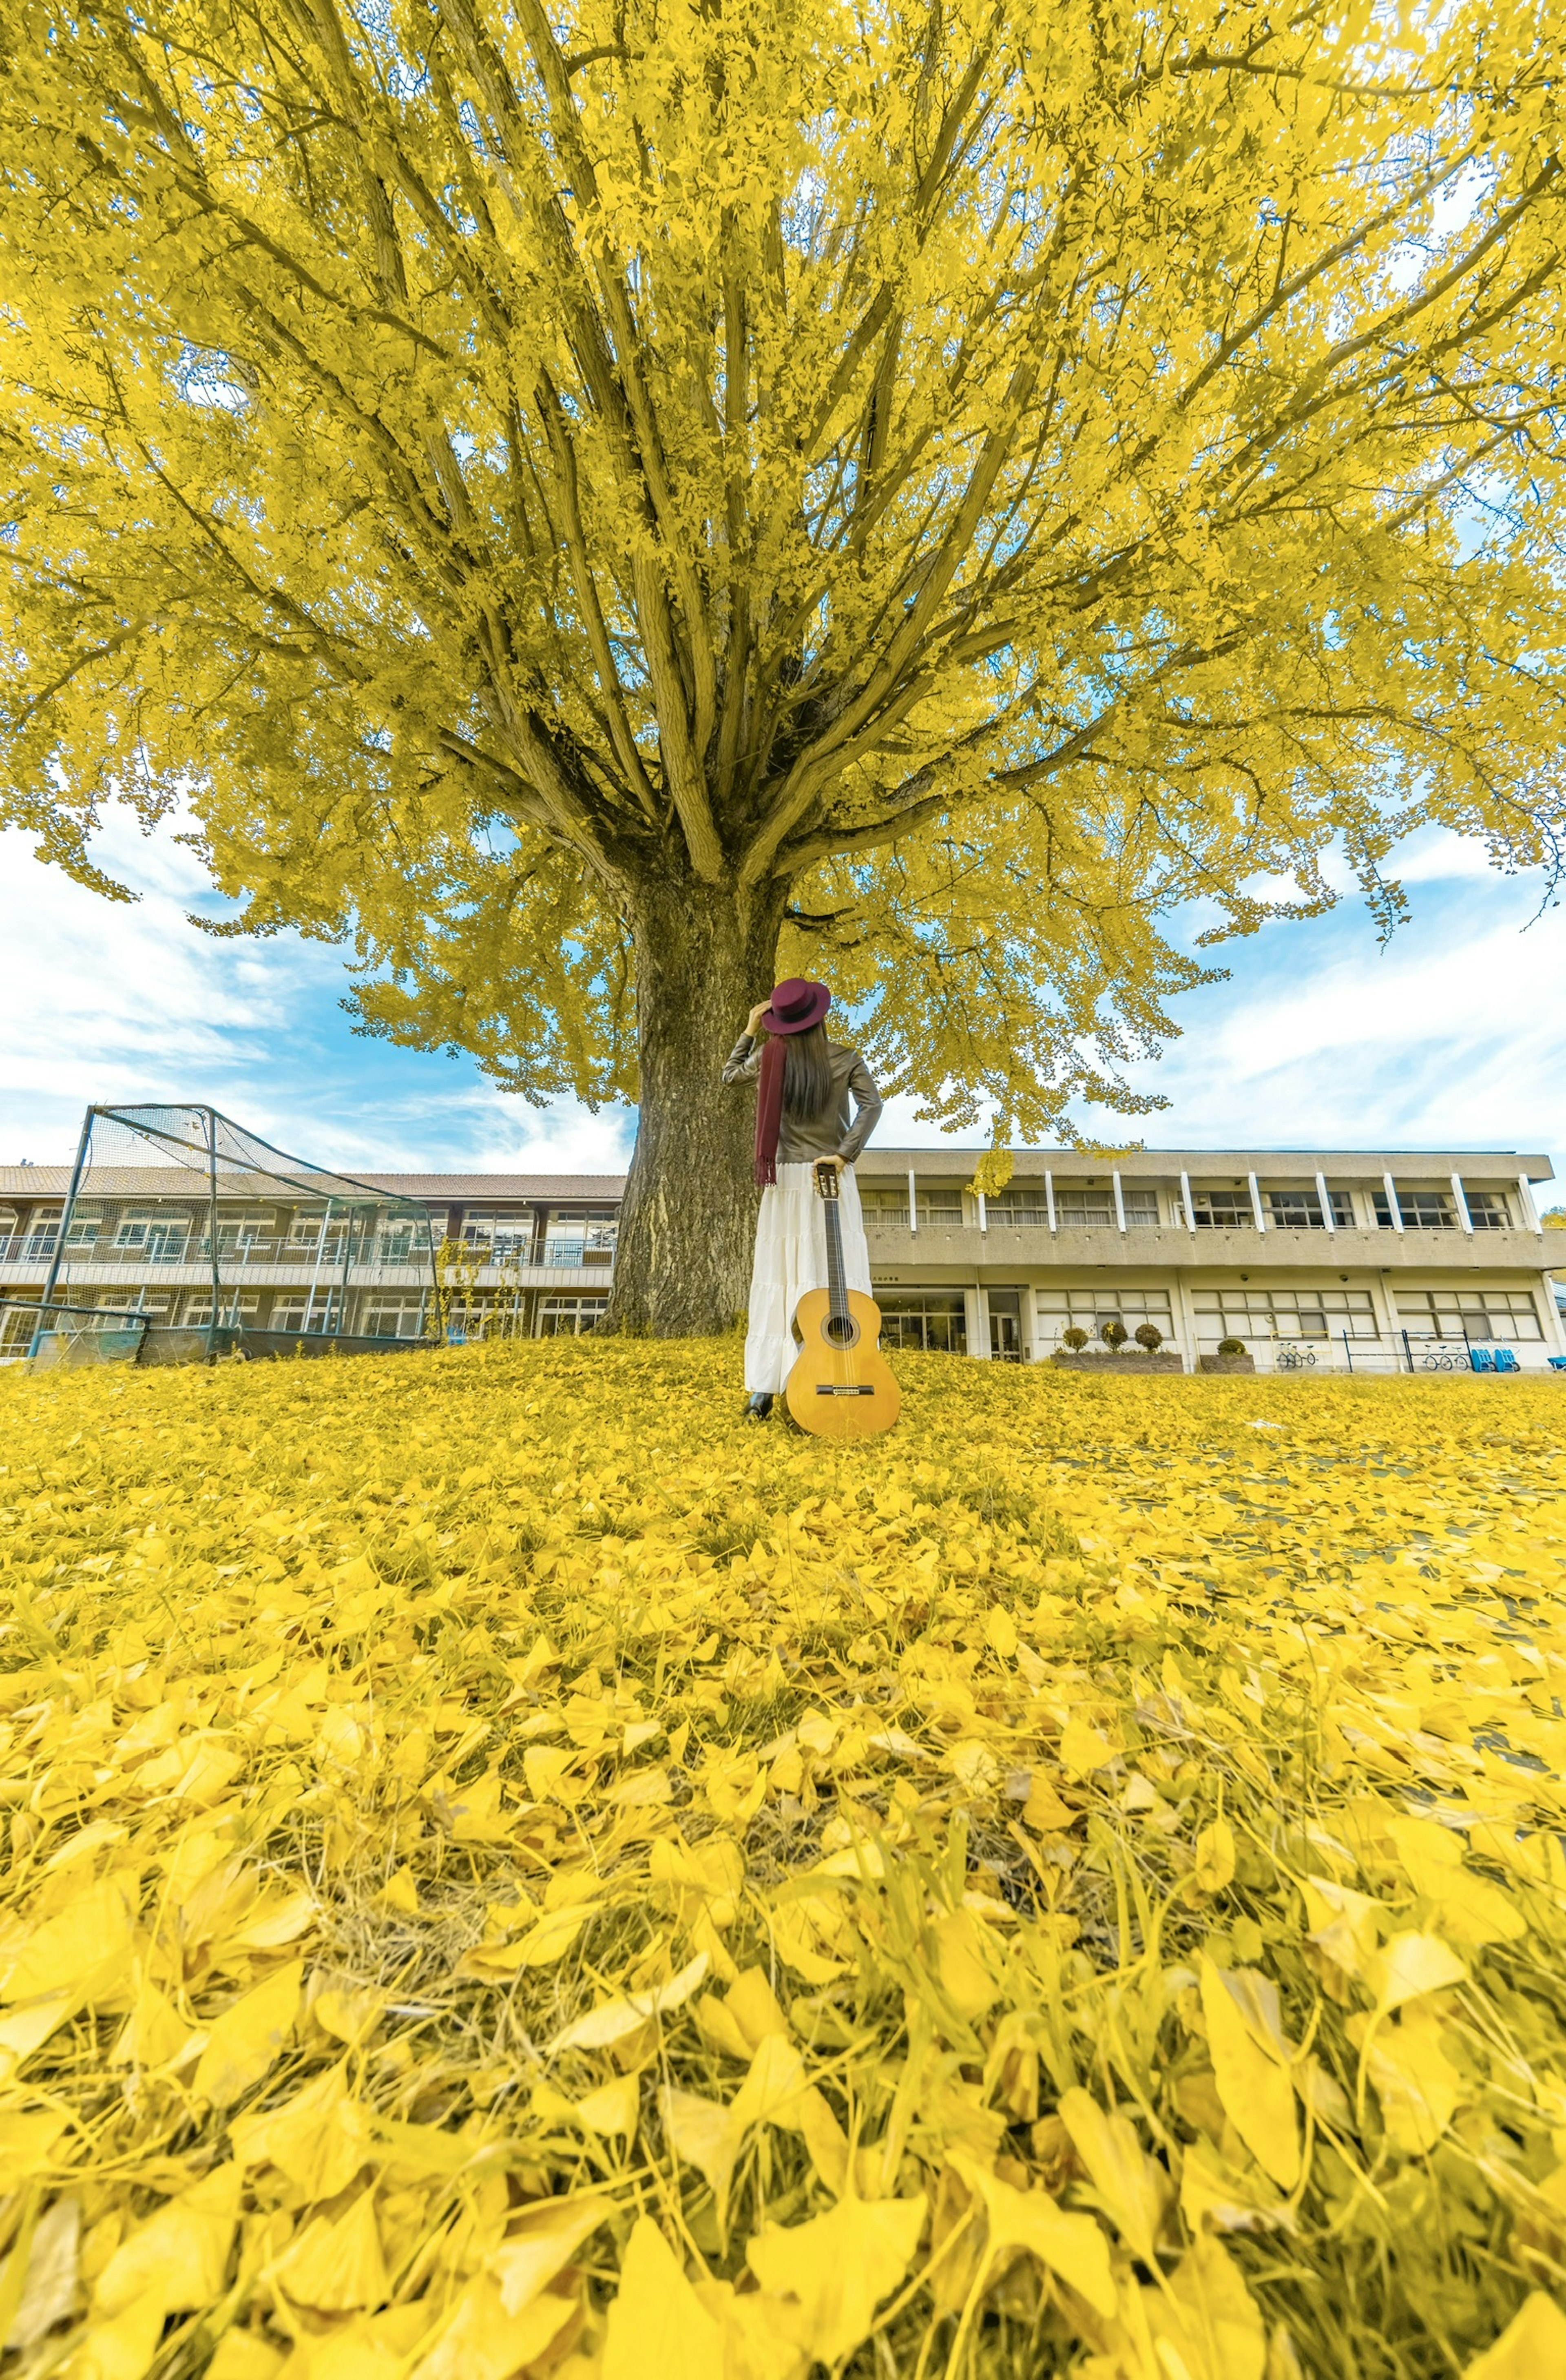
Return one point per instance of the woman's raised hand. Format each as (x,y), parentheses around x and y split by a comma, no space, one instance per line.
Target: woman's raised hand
(757,1013)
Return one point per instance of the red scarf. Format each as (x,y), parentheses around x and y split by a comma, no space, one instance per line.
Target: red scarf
(769,1109)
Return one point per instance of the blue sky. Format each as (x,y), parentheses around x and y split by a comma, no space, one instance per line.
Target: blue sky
(1455,1035)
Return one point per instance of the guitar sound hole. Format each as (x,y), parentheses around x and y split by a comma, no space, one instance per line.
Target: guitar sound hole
(841,1329)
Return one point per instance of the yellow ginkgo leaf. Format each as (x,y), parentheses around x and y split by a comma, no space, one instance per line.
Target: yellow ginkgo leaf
(249,2037)
(180,2253)
(337,2266)
(1133,2189)
(612,2019)
(1084,1749)
(964,1962)
(770,2090)
(658,2328)
(481,2340)
(84,1948)
(1215,1856)
(1531,2346)
(320,2139)
(839,2267)
(123,2346)
(1072,2245)
(532,2257)
(1255,2088)
(1209,2318)
(706,2135)
(1409,1966)
(1416,2083)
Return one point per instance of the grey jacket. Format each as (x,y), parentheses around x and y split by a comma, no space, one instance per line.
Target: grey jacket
(831,1134)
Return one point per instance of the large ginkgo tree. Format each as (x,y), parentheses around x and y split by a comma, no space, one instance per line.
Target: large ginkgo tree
(595,505)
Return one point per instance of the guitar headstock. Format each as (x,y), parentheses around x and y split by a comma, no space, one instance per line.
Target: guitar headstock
(826,1178)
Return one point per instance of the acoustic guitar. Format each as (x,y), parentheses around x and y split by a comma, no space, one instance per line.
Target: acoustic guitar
(840,1385)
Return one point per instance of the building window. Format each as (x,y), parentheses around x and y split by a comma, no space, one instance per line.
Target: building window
(231,1310)
(1483,1314)
(931,1318)
(1223,1210)
(43,1233)
(1021,1206)
(506,1239)
(1141,1207)
(240,1243)
(1085,1309)
(583,1239)
(405,1240)
(567,1317)
(316,1236)
(393,1317)
(288,1311)
(1081,1207)
(1294,1210)
(885,1210)
(940,1210)
(1422,1210)
(1488,1211)
(153,1239)
(1245,1313)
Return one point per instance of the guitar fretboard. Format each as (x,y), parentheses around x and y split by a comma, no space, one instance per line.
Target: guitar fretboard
(837,1287)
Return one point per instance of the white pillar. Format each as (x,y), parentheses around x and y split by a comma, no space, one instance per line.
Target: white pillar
(1120,1199)
(983,1216)
(1049,1197)
(1396,1211)
(1463,1217)
(1255,1203)
(912,1201)
(1325,1195)
(1185,1202)
(978,1318)
(1029,1323)
(1525,1198)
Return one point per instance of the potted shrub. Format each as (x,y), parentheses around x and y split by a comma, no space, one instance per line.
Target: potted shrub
(1073,1339)
(1148,1336)
(1114,1333)
(1233,1356)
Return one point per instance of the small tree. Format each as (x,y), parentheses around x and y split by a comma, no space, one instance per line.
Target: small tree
(1149,1336)
(1232,1347)
(1075,1339)
(1114,1333)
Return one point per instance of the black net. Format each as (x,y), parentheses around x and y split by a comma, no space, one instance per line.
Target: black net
(192,1235)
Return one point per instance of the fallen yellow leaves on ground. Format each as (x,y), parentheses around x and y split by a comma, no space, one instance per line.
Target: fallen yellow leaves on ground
(515,1871)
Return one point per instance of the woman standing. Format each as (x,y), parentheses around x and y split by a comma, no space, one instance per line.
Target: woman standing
(805,1083)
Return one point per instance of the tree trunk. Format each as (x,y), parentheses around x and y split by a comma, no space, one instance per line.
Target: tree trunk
(686,1227)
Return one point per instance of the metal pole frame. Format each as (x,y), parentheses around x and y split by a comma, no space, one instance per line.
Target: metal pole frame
(52,1276)
(211,1232)
(315,1276)
(347,1259)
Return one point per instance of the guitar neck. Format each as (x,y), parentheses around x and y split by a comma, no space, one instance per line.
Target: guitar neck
(837,1285)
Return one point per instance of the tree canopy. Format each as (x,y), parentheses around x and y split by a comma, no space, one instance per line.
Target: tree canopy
(576,500)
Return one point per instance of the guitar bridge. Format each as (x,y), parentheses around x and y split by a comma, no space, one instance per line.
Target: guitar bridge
(830,1389)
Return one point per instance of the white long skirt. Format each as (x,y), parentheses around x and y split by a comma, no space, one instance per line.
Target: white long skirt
(791,1256)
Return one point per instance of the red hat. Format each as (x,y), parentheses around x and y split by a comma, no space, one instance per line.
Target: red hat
(797,1005)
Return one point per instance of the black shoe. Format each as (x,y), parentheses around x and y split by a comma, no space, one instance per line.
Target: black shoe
(760,1405)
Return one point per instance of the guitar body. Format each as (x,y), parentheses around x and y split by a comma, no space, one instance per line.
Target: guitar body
(840,1385)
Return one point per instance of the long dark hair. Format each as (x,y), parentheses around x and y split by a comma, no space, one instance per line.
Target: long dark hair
(807,1074)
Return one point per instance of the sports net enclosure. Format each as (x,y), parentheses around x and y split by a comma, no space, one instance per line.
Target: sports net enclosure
(184,1236)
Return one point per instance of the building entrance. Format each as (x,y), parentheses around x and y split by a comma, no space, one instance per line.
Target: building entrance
(1005,1324)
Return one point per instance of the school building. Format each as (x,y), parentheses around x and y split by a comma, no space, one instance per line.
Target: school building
(1345,1260)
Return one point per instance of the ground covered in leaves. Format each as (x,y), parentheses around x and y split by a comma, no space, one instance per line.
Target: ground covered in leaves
(516,1871)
